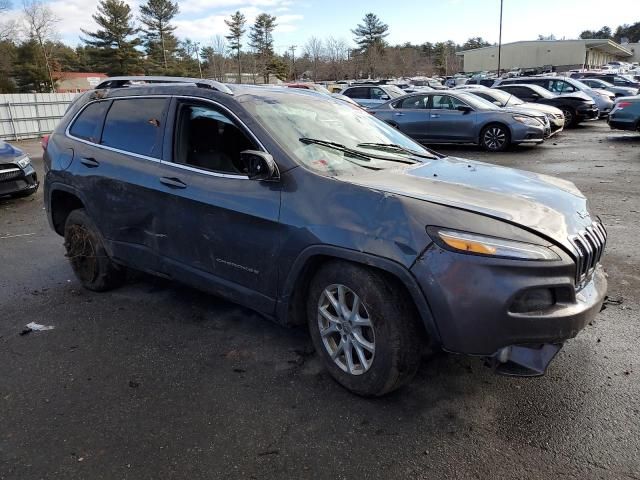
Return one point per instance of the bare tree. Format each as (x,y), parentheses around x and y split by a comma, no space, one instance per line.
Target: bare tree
(337,52)
(8,29)
(314,48)
(41,25)
(216,58)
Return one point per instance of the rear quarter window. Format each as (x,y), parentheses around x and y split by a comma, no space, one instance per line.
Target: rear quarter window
(88,124)
(136,125)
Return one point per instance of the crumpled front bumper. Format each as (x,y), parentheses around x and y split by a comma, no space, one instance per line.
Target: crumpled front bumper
(472,301)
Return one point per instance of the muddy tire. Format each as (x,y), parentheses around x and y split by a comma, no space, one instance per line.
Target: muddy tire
(364,328)
(87,255)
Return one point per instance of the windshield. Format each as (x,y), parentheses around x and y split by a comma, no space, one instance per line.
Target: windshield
(503,97)
(393,91)
(476,102)
(294,119)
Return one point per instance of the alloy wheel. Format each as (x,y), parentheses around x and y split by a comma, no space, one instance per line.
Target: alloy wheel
(568,116)
(346,329)
(495,138)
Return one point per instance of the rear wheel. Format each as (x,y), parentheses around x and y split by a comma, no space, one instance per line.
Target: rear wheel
(495,138)
(87,255)
(363,328)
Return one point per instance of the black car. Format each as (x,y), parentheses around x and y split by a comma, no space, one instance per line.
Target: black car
(17,176)
(574,108)
(310,210)
(615,79)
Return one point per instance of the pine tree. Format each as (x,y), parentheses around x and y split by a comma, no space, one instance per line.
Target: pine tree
(159,41)
(116,50)
(261,40)
(237,29)
(370,36)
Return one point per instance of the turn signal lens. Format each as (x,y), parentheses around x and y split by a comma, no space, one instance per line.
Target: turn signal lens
(472,243)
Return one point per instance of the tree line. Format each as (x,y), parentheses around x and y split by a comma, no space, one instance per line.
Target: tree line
(128,42)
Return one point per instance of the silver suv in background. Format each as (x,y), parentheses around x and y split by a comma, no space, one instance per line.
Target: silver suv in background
(562,85)
(618,91)
(369,96)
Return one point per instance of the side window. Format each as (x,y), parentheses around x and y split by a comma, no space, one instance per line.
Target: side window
(415,102)
(357,92)
(378,94)
(560,86)
(135,125)
(208,139)
(89,123)
(445,102)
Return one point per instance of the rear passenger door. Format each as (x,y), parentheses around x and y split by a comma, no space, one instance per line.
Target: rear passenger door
(116,161)
(220,229)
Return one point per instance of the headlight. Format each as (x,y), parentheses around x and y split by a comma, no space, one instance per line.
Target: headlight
(530,121)
(472,243)
(23,161)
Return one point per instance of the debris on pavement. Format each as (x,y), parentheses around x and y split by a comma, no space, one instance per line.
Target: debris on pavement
(608,301)
(35,327)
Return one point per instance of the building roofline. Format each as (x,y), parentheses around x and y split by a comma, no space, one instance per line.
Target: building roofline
(587,42)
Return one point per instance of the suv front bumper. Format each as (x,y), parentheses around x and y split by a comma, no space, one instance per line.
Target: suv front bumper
(473,300)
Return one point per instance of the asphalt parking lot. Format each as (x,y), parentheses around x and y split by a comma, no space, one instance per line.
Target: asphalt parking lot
(155,380)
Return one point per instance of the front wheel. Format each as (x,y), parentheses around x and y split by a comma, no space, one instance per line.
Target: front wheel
(362,326)
(570,119)
(495,138)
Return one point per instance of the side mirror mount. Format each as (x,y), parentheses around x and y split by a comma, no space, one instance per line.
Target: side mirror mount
(258,165)
(464,109)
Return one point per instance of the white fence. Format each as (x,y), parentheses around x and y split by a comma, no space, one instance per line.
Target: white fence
(30,115)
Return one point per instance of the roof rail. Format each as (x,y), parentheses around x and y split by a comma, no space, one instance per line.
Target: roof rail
(121,82)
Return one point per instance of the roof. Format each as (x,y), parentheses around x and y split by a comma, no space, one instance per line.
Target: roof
(603,44)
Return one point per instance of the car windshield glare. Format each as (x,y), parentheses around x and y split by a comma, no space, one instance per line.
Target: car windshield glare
(288,118)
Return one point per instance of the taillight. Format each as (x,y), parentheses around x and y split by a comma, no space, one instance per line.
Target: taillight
(44,141)
(622,105)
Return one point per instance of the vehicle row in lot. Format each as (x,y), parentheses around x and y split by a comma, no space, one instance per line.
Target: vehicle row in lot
(17,176)
(461,117)
(565,85)
(218,187)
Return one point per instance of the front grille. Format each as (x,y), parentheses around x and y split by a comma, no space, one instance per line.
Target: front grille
(10,174)
(589,245)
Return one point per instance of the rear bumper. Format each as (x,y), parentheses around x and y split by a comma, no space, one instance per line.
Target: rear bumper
(630,124)
(473,300)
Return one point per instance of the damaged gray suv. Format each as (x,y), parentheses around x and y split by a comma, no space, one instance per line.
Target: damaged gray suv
(310,210)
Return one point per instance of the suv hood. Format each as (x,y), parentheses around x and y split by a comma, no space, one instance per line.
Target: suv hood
(548,206)
(580,95)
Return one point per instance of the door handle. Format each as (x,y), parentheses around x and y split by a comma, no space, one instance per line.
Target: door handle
(435,116)
(173,182)
(399,114)
(89,162)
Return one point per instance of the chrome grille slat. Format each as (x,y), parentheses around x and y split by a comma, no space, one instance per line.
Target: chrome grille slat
(589,245)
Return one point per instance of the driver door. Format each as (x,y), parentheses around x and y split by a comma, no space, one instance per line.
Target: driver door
(218,226)
(447,123)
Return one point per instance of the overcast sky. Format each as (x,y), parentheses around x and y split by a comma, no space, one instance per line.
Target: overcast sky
(409,21)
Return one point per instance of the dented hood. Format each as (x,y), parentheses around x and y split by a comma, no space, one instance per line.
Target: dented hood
(548,206)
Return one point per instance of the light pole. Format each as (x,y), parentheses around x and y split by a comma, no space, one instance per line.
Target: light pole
(500,41)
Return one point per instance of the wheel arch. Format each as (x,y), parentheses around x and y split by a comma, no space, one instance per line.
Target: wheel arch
(291,305)
(62,201)
(493,123)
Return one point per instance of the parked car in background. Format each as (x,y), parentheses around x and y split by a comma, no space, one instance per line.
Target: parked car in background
(626,114)
(460,117)
(428,82)
(618,80)
(370,96)
(576,107)
(309,86)
(595,82)
(508,100)
(313,212)
(563,85)
(17,176)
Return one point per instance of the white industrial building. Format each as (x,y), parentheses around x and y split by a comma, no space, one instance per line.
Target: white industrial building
(562,55)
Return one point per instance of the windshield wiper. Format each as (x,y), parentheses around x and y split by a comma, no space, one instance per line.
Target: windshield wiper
(392,147)
(341,148)
(433,155)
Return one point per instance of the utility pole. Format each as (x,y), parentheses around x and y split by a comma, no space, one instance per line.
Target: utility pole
(292,48)
(500,41)
(197,45)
